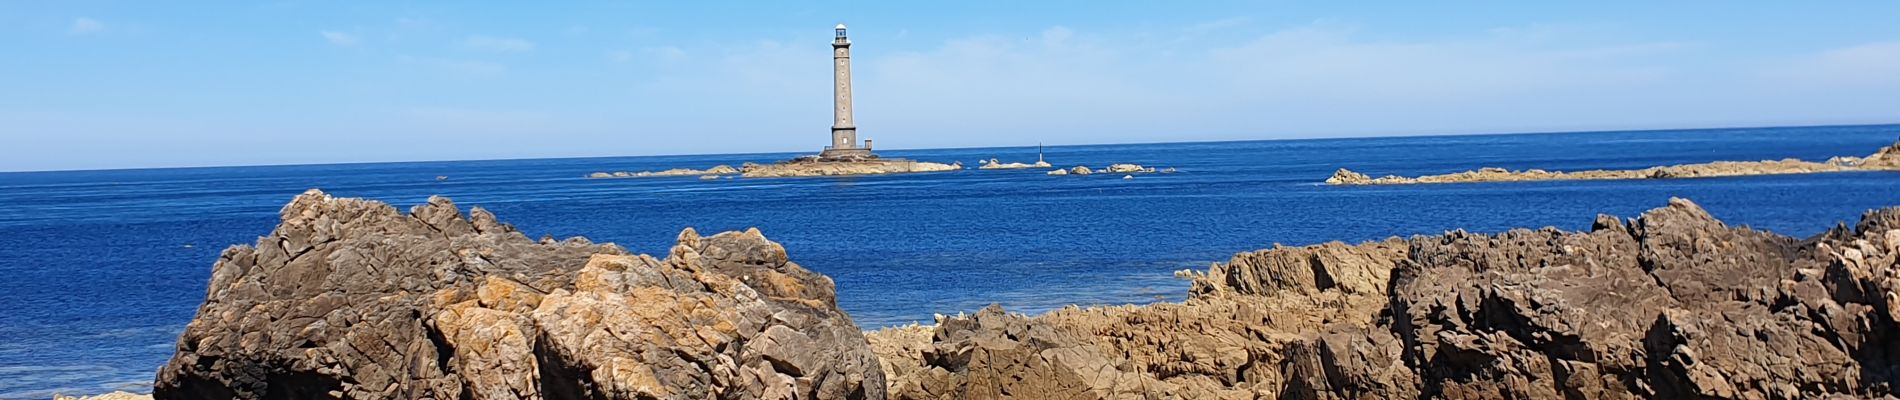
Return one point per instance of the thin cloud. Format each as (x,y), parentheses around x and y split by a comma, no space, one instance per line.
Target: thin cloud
(465,68)
(340,38)
(1863,65)
(497,44)
(83,26)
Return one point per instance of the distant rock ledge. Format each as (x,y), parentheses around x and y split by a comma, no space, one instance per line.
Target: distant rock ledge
(994,164)
(795,168)
(1111,169)
(1887,159)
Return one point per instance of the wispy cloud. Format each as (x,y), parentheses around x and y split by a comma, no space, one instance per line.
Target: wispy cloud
(84,25)
(465,68)
(1216,25)
(1863,65)
(340,38)
(497,44)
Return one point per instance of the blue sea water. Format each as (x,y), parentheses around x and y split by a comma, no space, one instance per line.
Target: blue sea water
(100,270)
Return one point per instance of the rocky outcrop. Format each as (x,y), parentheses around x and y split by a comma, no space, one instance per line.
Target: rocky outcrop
(1111,169)
(351,298)
(843,168)
(714,171)
(993,164)
(1886,159)
(1672,304)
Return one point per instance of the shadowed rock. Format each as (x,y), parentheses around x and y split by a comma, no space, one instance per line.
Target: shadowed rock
(350,298)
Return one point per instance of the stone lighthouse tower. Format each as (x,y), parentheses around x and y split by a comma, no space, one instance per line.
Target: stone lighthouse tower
(844,131)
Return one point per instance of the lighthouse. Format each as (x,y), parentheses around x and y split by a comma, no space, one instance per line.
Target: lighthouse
(844,131)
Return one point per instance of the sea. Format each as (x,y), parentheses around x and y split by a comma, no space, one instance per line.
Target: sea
(100,270)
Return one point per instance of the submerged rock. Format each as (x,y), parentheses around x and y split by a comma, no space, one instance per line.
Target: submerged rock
(351,298)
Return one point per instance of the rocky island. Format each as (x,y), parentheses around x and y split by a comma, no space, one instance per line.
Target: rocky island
(353,298)
(809,166)
(994,164)
(1111,169)
(1886,159)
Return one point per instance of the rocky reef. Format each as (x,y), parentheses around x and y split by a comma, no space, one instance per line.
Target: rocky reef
(1886,159)
(714,171)
(353,299)
(842,168)
(794,168)
(994,164)
(1111,169)
(1672,304)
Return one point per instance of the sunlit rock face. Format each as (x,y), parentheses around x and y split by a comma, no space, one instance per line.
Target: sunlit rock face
(351,298)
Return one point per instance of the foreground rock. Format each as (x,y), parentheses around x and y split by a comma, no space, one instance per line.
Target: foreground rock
(1673,304)
(1886,159)
(351,298)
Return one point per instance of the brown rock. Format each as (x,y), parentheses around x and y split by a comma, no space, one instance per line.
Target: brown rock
(1673,304)
(350,298)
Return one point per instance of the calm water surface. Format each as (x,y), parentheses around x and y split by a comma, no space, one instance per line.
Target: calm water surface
(100,270)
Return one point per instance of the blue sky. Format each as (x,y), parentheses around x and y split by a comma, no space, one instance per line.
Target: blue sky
(126,84)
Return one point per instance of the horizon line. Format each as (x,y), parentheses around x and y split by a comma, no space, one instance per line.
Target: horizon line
(1433,135)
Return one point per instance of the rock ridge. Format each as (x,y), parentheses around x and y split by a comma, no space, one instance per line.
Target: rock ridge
(1885,159)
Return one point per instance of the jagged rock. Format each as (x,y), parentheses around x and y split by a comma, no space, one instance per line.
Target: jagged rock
(1672,304)
(351,298)
(1887,158)
(1123,168)
(1080,170)
(1348,177)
